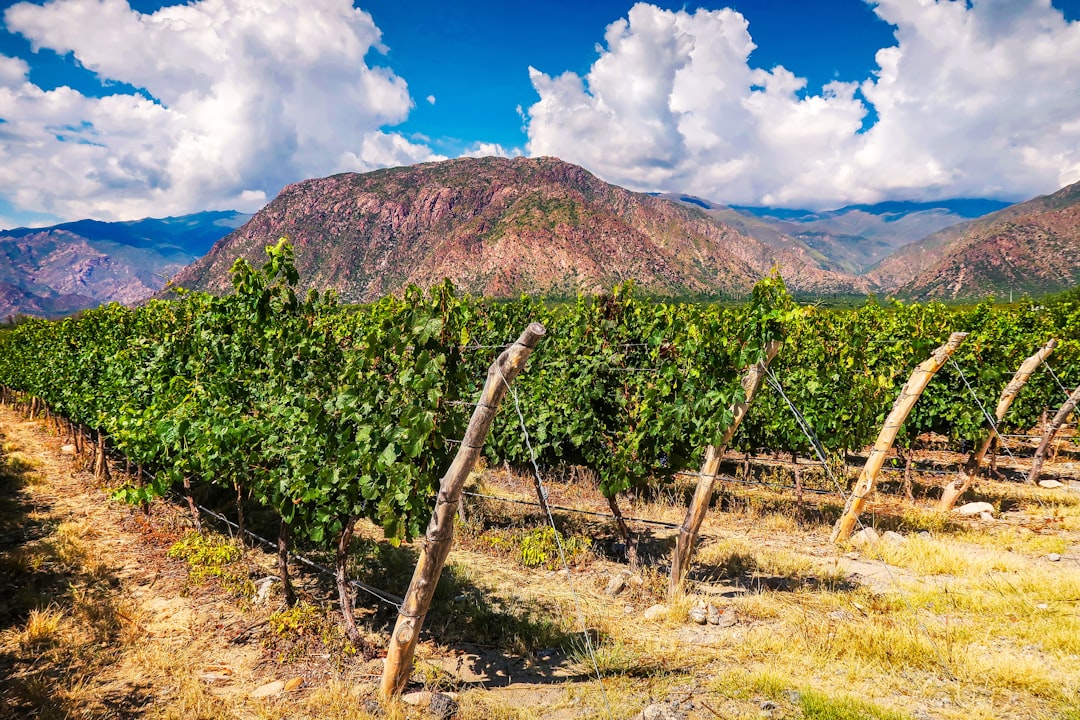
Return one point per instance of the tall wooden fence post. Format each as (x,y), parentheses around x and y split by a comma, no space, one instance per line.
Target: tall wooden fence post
(695,514)
(970,470)
(440,530)
(909,394)
(1051,431)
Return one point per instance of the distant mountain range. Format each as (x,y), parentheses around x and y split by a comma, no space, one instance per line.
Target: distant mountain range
(58,270)
(502,227)
(856,237)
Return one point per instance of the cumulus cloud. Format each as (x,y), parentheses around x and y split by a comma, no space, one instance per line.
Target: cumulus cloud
(488,149)
(975,99)
(236,98)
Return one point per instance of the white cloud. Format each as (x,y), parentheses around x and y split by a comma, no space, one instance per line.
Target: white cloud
(487,149)
(431,99)
(238,98)
(972,101)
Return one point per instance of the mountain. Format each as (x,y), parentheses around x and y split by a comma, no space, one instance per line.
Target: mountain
(856,237)
(1031,247)
(60,269)
(501,227)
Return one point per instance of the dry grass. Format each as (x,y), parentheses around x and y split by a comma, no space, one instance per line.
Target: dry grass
(975,622)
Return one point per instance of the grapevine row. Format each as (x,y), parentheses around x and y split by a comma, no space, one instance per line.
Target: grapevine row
(328,413)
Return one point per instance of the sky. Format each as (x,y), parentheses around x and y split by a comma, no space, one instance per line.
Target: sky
(118,109)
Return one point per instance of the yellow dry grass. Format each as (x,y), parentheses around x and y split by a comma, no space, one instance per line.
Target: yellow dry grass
(972,621)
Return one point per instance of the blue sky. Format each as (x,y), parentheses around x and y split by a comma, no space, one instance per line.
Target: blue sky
(499,41)
(129,109)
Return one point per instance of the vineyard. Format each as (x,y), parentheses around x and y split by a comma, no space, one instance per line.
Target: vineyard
(327,415)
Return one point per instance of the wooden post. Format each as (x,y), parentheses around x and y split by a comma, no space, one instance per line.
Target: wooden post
(1051,431)
(909,394)
(440,530)
(970,470)
(695,514)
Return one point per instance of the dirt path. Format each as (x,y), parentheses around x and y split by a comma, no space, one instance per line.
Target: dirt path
(133,636)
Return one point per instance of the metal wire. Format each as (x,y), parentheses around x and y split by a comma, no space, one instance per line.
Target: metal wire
(578,511)
(990,419)
(558,543)
(380,595)
(880,556)
(1054,375)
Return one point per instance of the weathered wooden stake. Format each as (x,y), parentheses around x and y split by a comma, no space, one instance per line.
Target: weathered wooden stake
(909,495)
(101,462)
(192,507)
(969,472)
(695,514)
(440,530)
(1051,431)
(909,394)
(283,563)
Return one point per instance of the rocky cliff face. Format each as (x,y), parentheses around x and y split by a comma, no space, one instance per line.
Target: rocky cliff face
(1031,247)
(502,227)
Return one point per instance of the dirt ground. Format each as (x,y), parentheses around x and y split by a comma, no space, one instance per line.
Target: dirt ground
(98,621)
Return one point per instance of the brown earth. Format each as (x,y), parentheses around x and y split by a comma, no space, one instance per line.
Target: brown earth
(813,626)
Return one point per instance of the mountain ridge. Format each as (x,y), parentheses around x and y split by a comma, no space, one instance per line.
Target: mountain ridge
(58,270)
(1030,247)
(499,227)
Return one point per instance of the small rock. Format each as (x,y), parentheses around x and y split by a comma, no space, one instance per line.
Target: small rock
(68,449)
(866,536)
(270,688)
(628,609)
(635,580)
(1051,484)
(1053,557)
(419,698)
(262,589)
(443,706)
(852,555)
(726,618)
(841,616)
(925,534)
(793,696)
(712,614)
(1043,606)
(617,584)
(974,508)
(895,537)
(768,705)
(656,612)
(216,676)
(661,711)
(698,614)
(986,517)
(295,684)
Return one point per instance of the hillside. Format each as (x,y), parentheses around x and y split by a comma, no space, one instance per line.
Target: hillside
(58,270)
(1031,247)
(502,227)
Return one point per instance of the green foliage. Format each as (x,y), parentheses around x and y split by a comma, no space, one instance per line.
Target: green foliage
(327,414)
(210,555)
(539,548)
(818,706)
(305,628)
